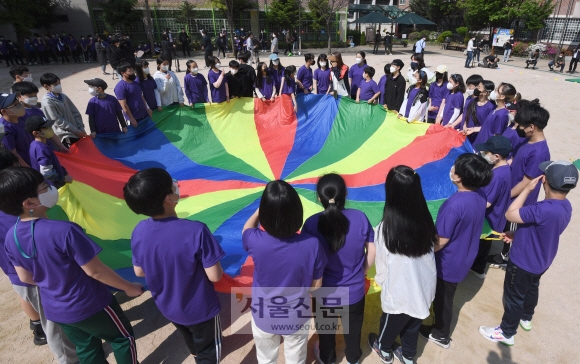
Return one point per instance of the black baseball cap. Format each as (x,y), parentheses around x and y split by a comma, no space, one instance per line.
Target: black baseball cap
(496,144)
(398,62)
(561,175)
(37,122)
(7,99)
(97,82)
(512,106)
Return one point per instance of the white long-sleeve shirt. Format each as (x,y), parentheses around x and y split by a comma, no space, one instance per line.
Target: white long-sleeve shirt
(407,284)
(170,90)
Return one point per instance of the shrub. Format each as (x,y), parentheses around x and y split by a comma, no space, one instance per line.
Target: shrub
(520,49)
(433,36)
(414,36)
(442,36)
(425,33)
(552,49)
(355,36)
(363,38)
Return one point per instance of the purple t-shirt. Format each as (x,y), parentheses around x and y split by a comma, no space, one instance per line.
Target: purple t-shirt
(217,94)
(277,75)
(303,260)
(6,222)
(195,88)
(460,219)
(304,75)
(368,90)
(322,77)
(495,124)
(356,73)
(452,102)
(17,138)
(437,93)
(42,155)
(173,253)
(497,193)
(536,241)
(526,162)
(345,268)
(481,112)
(289,87)
(132,94)
(267,88)
(105,110)
(382,83)
(410,99)
(69,295)
(148,87)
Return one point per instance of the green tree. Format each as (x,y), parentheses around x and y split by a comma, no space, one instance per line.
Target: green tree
(231,8)
(445,13)
(324,12)
(420,7)
(120,13)
(185,13)
(26,15)
(284,13)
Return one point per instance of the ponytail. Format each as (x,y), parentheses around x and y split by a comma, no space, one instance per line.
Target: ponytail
(333,225)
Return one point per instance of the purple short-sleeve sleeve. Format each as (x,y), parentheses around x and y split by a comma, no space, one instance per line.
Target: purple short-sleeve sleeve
(531,168)
(211,251)
(9,141)
(91,109)
(500,123)
(447,221)
(319,262)
(530,214)
(120,91)
(370,232)
(375,87)
(79,247)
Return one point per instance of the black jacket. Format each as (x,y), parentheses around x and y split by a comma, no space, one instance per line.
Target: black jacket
(235,83)
(166,49)
(183,38)
(117,56)
(395,92)
(207,46)
(248,77)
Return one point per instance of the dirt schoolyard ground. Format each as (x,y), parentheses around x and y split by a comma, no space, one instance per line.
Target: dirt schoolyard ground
(553,338)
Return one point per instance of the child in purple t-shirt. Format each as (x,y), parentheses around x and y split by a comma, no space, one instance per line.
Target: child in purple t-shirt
(347,238)
(16,139)
(321,77)
(42,158)
(279,245)
(218,83)
(288,85)
(368,90)
(459,225)
(535,245)
(183,290)
(59,258)
(104,111)
(304,78)
(453,104)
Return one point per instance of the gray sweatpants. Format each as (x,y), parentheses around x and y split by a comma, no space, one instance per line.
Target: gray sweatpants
(59,344)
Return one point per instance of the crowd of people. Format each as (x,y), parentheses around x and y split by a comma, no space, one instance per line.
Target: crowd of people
(419,262)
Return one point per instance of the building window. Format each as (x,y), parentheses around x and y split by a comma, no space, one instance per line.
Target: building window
(401,2)
(561,29)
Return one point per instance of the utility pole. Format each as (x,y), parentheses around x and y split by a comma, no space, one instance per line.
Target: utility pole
(299,29)
(149,27)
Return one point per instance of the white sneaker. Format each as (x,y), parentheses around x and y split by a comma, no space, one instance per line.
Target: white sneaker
(526,325)
(478,275)
(496,335)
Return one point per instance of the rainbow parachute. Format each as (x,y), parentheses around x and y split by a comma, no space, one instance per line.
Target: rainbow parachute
(223,156)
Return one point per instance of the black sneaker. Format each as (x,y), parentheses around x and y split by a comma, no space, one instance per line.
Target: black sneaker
(374,345)
(497,261)
(427,334)
(39,337)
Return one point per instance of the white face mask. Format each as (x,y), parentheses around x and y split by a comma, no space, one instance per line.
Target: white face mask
(449,86)
(276,62)
(511,117)
(218,65)
(164,68)
(49,198)
(233,71)
(470,92)
(451,176)
(176,192)
(322,64)
(493,95)
(194,71)
(57,89)
(31,101)
(358,60)
(489,158)
(146,71)
(93,92)
(28,78)
(393,69)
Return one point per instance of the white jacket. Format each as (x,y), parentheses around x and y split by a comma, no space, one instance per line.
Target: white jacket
(407,284)
(418,111)
(170,90)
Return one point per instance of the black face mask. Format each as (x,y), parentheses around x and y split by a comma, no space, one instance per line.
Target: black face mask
(438,75)
(521,132)
(476,92)
(132,77)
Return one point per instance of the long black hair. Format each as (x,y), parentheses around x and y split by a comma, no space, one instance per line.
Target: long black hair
(288,73)
(332,224)
(139,65)
(457,78)
(408,227)
(188,66)
(472,109)
(260,76)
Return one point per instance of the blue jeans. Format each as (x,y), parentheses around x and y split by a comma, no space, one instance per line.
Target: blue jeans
(469,59)
(520,297)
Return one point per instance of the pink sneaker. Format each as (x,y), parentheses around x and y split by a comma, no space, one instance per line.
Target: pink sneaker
(496,335)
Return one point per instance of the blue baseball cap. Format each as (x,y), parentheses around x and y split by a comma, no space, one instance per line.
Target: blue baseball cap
(7,100)
(273,57)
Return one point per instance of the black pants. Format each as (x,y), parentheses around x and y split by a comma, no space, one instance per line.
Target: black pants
(574,62)
(431,120)
(222,50)
(520,297)
(376,48)
(204,340)
(8,58)
(86,56)
(353,351)
(480,262)
(75,55)
(388,48)
(206,56)
(63,56)
(52,54)
(404,325)
(288,48)
(185,48)
(443,307)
